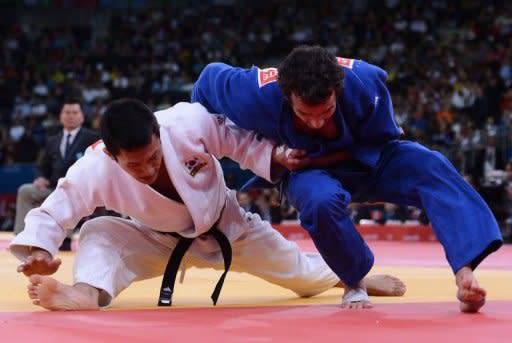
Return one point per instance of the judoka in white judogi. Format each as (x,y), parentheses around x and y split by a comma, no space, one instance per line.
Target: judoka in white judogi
(114,251)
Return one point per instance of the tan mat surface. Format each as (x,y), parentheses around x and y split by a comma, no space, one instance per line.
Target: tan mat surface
(424,285)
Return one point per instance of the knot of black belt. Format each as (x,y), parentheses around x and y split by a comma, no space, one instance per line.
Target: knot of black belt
(179,251)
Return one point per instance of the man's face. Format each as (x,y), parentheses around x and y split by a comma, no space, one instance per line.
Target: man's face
(142,164)
(71,116)
(316,116)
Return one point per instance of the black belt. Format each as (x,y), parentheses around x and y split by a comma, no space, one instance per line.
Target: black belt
(167,288)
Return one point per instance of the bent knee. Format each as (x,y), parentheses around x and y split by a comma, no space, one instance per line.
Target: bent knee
(26,190)
(98,227)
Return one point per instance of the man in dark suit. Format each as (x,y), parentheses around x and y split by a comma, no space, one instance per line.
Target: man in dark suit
(61,151)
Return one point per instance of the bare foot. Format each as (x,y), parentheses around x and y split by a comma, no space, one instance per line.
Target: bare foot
(356,297)
(382,285)
(56,296)
(470,294)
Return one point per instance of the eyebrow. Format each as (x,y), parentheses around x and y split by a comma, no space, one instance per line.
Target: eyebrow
(308,114)
(136,163)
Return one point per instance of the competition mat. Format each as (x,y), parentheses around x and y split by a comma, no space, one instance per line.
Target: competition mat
(252,310)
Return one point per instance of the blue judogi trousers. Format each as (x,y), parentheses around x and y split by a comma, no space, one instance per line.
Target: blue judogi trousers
(409,174)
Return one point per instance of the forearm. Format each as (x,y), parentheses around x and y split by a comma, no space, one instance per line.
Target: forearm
(225,139)
(276,168)
(38,252)
(285,158)
(45,226)
(37,240)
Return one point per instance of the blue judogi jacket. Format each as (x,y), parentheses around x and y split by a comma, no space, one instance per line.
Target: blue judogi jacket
(252,99)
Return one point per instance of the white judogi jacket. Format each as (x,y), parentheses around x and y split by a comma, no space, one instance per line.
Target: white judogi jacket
(190,136)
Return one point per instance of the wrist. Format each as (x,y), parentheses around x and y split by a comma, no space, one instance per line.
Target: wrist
(277,154)
(277,169)
(37,251)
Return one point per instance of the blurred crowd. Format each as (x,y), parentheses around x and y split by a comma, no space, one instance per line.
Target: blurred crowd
(449,66)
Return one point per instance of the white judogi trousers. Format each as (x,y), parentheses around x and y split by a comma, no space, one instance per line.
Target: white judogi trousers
(114,252)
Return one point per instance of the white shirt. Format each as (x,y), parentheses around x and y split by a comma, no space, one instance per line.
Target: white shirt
(65,134)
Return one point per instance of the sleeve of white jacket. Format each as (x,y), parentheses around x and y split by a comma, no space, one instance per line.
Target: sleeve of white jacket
(73,199)
(224,139)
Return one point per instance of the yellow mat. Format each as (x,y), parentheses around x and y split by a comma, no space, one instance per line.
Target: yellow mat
(423,285)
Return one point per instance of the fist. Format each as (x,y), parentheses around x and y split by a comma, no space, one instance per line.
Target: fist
(291,159)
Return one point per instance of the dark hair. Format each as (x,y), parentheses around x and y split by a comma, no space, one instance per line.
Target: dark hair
(311,73)
(127,124)
(72,101)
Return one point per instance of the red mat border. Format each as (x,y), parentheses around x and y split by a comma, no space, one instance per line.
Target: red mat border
(421,323)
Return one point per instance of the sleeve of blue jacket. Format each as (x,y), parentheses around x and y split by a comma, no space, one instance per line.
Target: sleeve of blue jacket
(235,92)
(217,88)
(365,105)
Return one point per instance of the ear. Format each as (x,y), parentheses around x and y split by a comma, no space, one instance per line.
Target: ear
(112,157)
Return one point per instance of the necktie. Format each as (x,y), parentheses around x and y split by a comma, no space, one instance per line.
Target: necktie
(68,144)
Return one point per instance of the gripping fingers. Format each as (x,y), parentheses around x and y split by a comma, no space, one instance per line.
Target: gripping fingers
(39,265)
(21,267)
(295,153)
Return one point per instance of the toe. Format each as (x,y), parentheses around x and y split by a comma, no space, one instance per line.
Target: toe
(367,304)
(471,307)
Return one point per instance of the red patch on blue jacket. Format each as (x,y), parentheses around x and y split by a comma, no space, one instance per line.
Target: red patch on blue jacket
(266,76)
(345,62)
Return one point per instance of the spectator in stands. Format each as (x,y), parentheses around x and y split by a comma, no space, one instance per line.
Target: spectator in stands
(507,232)
(276,205)
(61,151)
(246,202)
(26,148)
(7,222)
(265,211)
(45,63)
(288,212)
(396,213)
